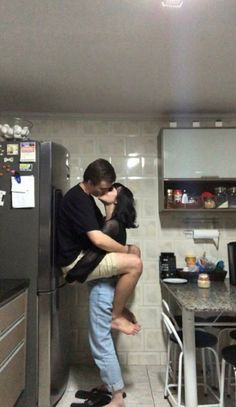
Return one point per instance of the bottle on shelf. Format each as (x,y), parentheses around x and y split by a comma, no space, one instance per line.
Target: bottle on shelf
(184,198)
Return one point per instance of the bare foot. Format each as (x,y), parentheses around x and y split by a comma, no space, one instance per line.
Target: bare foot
(129,315)
(117,400)
(122,324)
(113,403)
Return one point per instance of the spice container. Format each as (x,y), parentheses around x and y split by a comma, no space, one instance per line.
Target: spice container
(232,197)
(203,281)
(177,195)
(169,198)
(221,197)
(190,261)
(209,203)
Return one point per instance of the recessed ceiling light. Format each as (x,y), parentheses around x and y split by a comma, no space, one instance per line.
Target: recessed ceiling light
(172,3)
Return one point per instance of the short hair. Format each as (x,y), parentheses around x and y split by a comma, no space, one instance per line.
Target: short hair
(99,170)
(124,210)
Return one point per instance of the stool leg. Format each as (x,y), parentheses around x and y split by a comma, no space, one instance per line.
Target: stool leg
(174,363)
(180,379)
(204,371)
(167,368)
(234,384)
(222,382)
(229,380)
(217,366)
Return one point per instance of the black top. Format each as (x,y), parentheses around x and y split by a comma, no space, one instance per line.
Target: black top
(78,215)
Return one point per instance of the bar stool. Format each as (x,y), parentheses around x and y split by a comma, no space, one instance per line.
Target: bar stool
(204,341)
(177,322)
(233,337)
(228,356)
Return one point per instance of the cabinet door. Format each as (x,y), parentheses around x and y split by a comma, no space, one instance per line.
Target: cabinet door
(196,153)
(12,378)
(12,311)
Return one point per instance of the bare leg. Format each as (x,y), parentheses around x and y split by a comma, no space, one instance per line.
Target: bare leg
(117,400)
(124,288)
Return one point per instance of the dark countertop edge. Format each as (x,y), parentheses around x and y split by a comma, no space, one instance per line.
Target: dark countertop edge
(11,288)
(192,307)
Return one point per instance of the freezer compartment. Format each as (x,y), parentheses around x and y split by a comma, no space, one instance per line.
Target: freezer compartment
(53,345)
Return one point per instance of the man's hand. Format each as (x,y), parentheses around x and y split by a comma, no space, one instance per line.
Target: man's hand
(134,250)
(109,197)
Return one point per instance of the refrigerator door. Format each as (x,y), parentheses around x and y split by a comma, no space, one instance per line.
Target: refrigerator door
(19,242)
(53,183)
(53,345)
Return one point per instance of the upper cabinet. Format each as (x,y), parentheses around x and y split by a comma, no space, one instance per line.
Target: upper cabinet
(198,153)
(197,169)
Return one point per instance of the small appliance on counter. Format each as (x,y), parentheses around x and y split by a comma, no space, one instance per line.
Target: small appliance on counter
(167,265)
(232,262)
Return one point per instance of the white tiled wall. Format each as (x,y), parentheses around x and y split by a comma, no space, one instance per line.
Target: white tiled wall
(131,146)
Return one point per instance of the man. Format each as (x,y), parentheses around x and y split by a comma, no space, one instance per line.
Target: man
(79,228)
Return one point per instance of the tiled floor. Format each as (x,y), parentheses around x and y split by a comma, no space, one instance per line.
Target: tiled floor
(144,386)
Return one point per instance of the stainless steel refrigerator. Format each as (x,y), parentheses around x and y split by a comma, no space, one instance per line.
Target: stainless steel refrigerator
(33,178)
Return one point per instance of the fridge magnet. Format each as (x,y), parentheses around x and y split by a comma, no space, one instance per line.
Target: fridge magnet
(26,167)
(28,151)
(12,149)
(8,160)
(2,196)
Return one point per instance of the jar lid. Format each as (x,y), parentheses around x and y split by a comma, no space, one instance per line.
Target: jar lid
(203,276)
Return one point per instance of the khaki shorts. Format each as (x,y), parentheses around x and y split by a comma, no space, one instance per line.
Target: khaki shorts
(106,268)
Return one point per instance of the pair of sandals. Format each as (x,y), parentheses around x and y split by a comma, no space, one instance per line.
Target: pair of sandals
(94,398)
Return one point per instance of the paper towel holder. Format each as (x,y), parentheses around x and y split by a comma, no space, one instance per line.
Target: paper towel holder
(203,234)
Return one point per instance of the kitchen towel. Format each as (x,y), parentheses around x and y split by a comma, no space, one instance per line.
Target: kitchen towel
(209,234)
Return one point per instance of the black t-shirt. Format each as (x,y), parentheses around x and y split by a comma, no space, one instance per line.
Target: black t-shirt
(78,215)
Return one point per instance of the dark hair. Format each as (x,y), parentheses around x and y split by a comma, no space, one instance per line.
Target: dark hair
(99,170)
(125,211)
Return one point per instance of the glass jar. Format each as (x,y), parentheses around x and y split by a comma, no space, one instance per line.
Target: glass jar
(232,197)
(209,203)
(203,281)
(221,197)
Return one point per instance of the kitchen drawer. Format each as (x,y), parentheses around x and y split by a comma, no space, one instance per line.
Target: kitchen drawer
(12,378)
(12,338)
(12,311)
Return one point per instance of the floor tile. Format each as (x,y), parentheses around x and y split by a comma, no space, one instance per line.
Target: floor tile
(144,386)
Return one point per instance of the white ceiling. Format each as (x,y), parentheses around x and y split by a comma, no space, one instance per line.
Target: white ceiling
(117,56)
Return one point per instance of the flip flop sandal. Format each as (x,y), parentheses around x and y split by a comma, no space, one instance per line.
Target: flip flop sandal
(99,402)
(88,394)
(93,393)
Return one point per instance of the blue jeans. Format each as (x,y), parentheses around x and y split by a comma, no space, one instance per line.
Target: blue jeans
(101,293)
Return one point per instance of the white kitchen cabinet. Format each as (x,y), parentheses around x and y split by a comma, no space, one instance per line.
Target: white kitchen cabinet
(12,349)
(197,153)
(196,161)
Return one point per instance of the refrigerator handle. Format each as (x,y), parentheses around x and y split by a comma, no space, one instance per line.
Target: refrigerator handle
(56,201)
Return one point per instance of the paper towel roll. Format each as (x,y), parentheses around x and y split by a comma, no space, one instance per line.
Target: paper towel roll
(206,234)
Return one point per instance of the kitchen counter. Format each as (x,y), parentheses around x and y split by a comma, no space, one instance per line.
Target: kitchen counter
(9,288)
(220,296)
